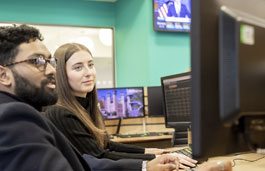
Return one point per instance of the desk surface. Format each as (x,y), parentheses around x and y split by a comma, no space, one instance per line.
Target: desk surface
(240,165)
(141,139)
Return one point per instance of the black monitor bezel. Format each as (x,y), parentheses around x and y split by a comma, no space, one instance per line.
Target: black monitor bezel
(210,135)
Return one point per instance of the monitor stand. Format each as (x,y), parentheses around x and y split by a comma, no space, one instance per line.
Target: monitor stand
(118,127)
(180,137)
(144,128)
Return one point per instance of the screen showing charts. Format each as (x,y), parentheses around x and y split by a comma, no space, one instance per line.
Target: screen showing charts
(118,103)
(172,15)
(176,92)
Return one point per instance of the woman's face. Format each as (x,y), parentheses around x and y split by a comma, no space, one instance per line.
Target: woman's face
(81,73)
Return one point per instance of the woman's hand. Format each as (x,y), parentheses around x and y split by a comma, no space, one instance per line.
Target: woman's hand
(155,151)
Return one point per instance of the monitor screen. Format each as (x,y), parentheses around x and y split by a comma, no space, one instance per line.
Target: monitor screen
(118,103)
(172,15)
(176,95)
(228,76)
(155,101)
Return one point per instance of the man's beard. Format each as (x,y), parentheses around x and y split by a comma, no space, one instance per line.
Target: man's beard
(33,95)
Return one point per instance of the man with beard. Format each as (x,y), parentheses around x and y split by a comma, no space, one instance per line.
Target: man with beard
(29,141)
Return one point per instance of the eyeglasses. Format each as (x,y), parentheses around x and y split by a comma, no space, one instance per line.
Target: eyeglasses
(39,62)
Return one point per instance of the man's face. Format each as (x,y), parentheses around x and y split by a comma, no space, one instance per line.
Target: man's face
(32,85)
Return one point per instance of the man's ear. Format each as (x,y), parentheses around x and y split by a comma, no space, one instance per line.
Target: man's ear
(5,76)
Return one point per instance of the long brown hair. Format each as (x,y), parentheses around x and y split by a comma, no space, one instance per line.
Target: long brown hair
(90,117)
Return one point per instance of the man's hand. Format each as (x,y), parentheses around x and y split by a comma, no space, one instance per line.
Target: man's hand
(163,163)
(215,166)
(184,161)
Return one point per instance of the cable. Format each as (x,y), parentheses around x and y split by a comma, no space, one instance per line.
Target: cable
(234,160)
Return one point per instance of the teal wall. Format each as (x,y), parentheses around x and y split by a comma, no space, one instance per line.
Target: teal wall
(132,57)
(142,55)
(71,12)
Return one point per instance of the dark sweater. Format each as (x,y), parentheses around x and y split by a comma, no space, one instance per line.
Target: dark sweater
(84,141)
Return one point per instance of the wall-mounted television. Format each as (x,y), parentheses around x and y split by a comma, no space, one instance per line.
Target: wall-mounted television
(172,15)
(116,103)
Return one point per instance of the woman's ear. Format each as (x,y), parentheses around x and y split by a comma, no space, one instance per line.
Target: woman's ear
(5,76)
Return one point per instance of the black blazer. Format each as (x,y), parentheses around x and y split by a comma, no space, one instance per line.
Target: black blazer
(84,141)
(30,142)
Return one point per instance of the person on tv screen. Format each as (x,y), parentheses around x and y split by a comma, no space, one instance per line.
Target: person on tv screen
(177,9)
(77,113)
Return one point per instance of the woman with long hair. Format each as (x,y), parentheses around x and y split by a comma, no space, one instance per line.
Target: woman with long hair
(77,114)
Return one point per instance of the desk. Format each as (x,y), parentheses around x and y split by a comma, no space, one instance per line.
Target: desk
(240,165)
(162,141)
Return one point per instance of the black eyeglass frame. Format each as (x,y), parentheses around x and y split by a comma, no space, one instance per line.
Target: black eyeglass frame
(38,62)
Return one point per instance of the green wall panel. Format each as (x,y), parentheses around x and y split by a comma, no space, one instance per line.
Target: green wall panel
(71,12)
(157,53)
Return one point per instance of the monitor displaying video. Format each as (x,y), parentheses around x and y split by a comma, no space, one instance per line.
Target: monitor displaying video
(118,103)
(172,15)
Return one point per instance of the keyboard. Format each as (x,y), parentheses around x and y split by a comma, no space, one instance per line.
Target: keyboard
(192,169)
(186,151)
(144,134)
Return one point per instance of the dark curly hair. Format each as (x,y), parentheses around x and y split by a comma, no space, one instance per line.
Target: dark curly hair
(11,37)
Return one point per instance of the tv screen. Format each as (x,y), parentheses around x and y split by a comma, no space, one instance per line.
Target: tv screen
(172,15)
(118,103)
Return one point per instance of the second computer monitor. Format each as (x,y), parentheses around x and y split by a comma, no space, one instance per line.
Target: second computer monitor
(155,101)
(118,103)
(176,94)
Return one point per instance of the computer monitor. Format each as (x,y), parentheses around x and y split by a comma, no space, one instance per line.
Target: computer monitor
(116,103)
(176,98)
(155,101)
(228,76)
